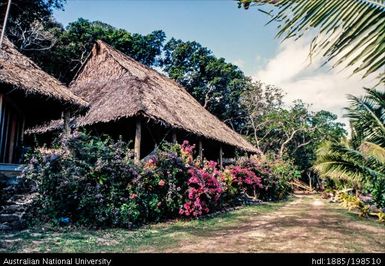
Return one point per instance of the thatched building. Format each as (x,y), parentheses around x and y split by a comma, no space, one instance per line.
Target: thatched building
(130,99)
(28,96)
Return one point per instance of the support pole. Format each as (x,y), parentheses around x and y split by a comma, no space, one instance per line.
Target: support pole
(200,149)
(173,136)
(221,156)
(5,23)
(138,140)
(2,121)
(66,118)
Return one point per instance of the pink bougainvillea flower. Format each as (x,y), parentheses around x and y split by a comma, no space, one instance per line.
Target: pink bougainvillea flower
(161,183)
(133,196)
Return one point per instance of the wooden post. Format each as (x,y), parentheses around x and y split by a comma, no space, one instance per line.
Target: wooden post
(138,140)
(173,136)
(12,138)
(2,122)
(200,149)
(66,118)
(221,156)
(22,130)
(5,22)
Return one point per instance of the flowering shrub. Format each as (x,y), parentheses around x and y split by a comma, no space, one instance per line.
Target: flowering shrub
(86,180)
(275,176)
(93,181)
(204,190)
(186,151)
(245,180)
(161,185)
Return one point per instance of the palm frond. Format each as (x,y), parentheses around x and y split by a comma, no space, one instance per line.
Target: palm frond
(373,150)
(367,115)
(350,32)
(339,161)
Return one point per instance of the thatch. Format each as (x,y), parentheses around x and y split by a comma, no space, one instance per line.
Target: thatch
(21,73)
(117,86)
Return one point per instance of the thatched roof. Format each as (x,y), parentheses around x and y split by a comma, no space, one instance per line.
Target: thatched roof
(117,86)
(21,73)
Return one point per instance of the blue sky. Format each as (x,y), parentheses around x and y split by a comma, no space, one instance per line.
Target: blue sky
(238,35)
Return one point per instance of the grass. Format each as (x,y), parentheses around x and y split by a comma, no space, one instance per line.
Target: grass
(152,238)
(304,224)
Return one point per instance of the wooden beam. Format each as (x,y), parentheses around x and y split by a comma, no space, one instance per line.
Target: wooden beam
(173,136)
(221,156)
(138,140)
(7,118)
(2,122)
(66,118)
(200,149)
(12,138)
(22,130)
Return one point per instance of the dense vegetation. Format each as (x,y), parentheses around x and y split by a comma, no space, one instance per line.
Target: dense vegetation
(92,181)
(348,33)
(292,138)
(251,108)
(359,162)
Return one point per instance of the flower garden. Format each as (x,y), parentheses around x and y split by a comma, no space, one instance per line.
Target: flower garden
(94,182)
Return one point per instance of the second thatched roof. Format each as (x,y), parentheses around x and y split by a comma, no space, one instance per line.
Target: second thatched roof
(117,86)
(21,73)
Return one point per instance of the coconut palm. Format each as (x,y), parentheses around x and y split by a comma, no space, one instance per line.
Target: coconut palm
(361,160)
(349,31)
(367,116)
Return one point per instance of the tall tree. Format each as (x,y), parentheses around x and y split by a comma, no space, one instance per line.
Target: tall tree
(216,84)
(30,23)
(289,132)
(75,42)
(362,159)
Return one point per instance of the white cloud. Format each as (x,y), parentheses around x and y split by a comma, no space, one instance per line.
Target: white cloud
(301,78)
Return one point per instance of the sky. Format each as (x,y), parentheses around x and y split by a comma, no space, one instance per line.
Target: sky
(240,36)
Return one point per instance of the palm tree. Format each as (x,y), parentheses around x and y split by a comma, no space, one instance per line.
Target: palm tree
(361,160)
(367,117)
(349,31)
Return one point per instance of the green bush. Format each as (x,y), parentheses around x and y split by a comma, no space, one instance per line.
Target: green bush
(275,175)
(86,181)
(160,188)
(93,181)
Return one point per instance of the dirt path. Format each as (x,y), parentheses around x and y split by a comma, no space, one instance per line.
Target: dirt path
(306,224)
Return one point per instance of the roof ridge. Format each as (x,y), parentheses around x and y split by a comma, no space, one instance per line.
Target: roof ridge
(163,76)
(140,92)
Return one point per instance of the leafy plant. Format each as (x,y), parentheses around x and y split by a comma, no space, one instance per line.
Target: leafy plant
(360,161)
(275,175)
(381,217)
(204,190)
(86,180)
